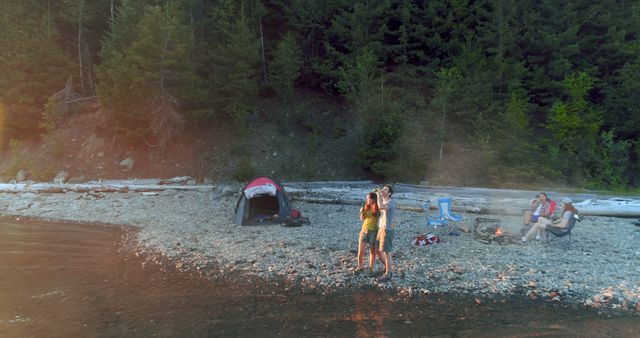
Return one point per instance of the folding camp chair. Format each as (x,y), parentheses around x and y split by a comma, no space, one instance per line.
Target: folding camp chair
(561,232)
(444,215)
(444,204)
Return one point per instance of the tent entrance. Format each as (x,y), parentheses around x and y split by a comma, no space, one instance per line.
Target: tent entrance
(264,208)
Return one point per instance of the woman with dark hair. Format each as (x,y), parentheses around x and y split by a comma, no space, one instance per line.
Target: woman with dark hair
(540,207)
(568,211)
(369,214)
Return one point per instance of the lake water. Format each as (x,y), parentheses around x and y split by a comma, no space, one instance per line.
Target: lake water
(74,280)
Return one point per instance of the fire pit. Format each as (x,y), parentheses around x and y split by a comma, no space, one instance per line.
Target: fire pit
(487,231)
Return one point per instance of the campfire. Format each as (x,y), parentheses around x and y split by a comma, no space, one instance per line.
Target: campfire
(492,234)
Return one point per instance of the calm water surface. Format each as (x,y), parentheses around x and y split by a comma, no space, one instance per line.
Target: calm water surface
(69,280)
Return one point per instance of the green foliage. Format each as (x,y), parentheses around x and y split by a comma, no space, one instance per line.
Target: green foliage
(43,173)
(574,126)
(338,127)
(358,80)
(379,147)
(146,70)
(286,65)
(33,67)
(610,163)
(445,102)
(18,161)
(313,142)
(500,73)
(234,61)
(623,101)
(245,170)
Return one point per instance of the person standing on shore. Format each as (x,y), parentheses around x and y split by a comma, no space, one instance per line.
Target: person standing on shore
(369,214)
(386,225)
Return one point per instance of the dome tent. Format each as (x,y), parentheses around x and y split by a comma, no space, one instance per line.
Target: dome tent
(265,200)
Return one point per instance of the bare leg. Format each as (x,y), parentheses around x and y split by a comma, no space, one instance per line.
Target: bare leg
(361,248)
(381,258)
(372,257)
(388,263)
(537,227)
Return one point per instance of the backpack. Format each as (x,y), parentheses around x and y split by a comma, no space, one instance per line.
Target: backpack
(295,219)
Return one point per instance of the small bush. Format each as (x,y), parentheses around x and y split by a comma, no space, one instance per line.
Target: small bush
(338,128)
(18,160)
(54,145)
(44,174)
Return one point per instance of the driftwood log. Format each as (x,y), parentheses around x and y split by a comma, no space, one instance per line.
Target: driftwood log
(400,206)
(52,188)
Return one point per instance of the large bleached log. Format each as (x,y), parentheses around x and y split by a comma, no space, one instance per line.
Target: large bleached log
(96,187)
(400,205)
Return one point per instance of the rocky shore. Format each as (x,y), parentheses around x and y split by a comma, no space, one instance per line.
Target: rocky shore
(599,268)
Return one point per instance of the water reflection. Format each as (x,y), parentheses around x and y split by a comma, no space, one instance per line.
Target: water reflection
(68,280)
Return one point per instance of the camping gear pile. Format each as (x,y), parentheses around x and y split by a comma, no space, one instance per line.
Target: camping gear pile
(425,239)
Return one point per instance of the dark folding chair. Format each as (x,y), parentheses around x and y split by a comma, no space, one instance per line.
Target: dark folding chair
(561,232)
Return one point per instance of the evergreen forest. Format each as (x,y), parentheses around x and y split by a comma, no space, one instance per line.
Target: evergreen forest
(535,90)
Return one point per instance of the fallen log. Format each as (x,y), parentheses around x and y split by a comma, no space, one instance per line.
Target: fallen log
(400,206)
(54,188)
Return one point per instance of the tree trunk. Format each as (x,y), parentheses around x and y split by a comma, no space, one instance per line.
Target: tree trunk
(442,125)
(80,51)
(112,18)
(264,62)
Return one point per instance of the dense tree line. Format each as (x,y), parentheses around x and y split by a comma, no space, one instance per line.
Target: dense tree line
(540,89)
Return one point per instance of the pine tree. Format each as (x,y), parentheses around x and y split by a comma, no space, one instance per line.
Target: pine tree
(358,80)
(147,71)
(286,65)
(444,103)
(574,126)
(33,67)
(357,29)
(235,59)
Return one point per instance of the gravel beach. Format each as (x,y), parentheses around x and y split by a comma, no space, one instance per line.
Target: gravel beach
(599,268)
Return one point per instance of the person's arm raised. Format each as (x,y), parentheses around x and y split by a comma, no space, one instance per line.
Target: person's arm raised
(381,203)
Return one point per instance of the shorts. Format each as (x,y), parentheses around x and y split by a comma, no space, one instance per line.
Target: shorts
(534,218)
(385,239)
(369,237)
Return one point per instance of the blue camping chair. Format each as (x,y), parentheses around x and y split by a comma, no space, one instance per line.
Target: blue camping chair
(444,214)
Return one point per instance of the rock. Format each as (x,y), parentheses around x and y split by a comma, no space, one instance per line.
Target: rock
(227,189)
(22,176)
(61,177)
(127,164)
(76,180)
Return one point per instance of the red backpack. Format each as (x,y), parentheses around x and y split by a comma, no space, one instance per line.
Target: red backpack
(295,219)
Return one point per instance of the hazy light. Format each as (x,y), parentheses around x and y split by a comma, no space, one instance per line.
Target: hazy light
(3,116)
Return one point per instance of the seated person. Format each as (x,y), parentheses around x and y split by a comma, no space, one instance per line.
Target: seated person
(568,210)
(540,207)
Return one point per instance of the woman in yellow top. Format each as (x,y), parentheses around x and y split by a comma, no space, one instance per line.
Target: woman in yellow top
(369,214)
